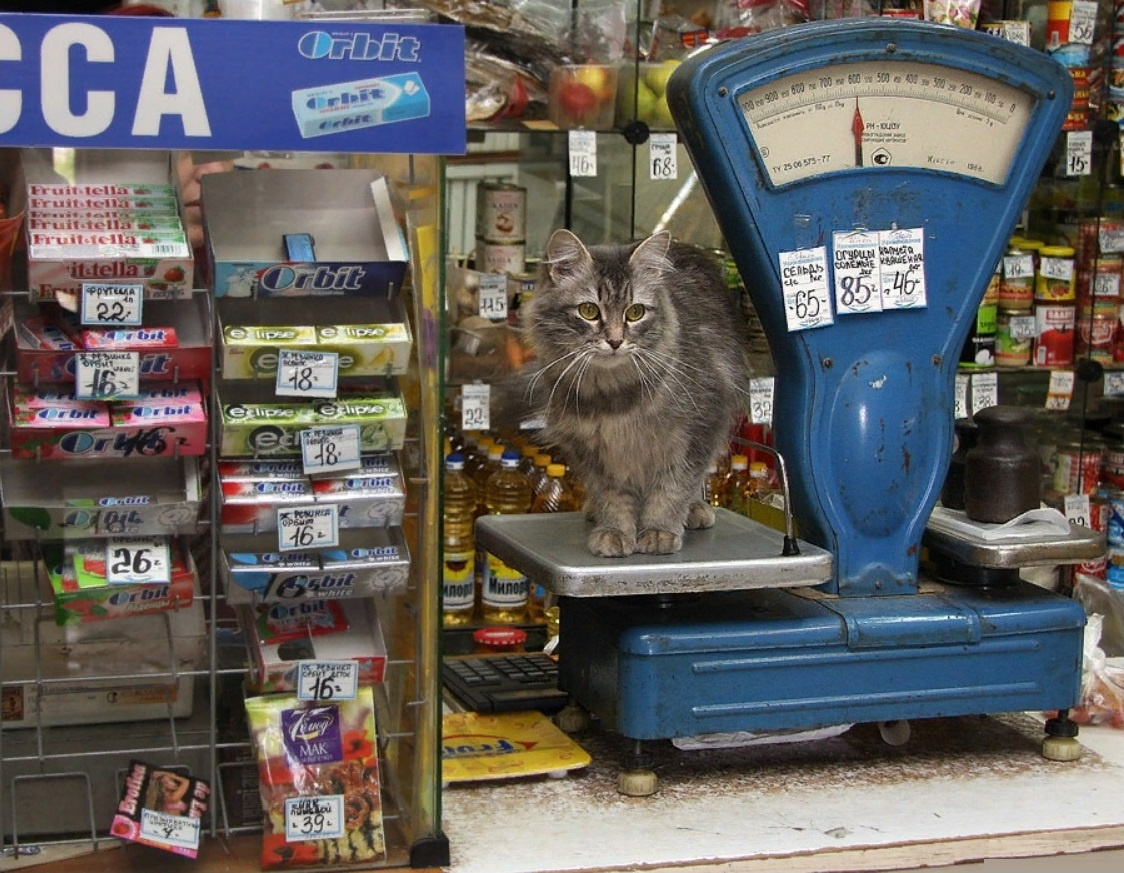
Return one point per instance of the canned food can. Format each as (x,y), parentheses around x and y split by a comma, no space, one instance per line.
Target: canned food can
(1055,281)
(979,347)
(1096,332)
(1106,276)
(507,258)
(1016,285)
(1012,344)
(1053,329)
(1077,467)
(501,212)
(1114,520)
(1114,572)
(991,293)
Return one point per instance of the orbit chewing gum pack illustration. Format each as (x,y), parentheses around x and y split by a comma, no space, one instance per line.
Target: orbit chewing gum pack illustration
(329,109)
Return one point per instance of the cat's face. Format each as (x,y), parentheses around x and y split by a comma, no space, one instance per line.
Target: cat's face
(604,304)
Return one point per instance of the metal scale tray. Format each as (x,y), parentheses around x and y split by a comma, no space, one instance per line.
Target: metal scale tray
(736,554)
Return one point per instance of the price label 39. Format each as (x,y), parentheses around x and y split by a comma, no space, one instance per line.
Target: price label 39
(106,375)
(327,680)
(313,818)
(330,449)
(132,561)
(307,374)
(111,304)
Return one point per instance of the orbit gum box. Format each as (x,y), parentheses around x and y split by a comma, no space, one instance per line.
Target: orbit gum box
(328,109)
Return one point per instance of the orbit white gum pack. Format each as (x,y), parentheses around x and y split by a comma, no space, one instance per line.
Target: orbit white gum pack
(329,109)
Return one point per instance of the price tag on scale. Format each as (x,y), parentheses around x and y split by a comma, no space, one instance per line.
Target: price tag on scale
(492,296)
(476,407)
(330,449)
(137,561)
(761,400)
(327,680)
(111,304)
(168,830)
(308,527)
(807,299)
(583,153)
(313,818)
(663,159)
(106,375)
(307,374)
(901,257)
(857,271)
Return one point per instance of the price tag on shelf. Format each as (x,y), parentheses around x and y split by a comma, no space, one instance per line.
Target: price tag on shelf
(492,296)
(985,391)
(111,304)
(1060,391)
(1077,509)
(327,680)
(476,407)
(106,375)
(330,449)
(1023,327)
(1113,383)
(307,374)
(1082,22)
(663,158)
(583,152)
(1079,152)
(761,400)
(960,401)
(172,831)
(308,527)
(137,561)
(1018,267)
(313,818)
(807,298)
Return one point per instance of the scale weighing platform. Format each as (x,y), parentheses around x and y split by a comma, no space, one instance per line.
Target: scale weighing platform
(866,175)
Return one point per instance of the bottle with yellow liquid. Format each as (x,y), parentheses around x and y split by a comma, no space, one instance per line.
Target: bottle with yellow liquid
(554,496)
(458,588)
(503,599)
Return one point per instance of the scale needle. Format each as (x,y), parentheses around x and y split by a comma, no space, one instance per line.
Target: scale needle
(857,130)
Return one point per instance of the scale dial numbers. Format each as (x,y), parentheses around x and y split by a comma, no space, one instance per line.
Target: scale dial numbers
(874,114)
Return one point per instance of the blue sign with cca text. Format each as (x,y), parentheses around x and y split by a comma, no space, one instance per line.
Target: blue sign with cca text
(183,83)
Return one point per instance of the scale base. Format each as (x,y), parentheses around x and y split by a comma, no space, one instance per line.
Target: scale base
(781,660)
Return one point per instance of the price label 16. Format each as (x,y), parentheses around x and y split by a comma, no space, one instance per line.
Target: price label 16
(106,375)
(308,527)
(111,304)
(313,818)
(307,374)
(133,561)
(327,680)
(330,449)
(166,829)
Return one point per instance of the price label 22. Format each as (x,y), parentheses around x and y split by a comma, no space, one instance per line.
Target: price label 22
(111,304)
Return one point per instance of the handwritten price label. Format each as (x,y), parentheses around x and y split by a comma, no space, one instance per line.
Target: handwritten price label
(1077,509)
(583,152)
(107,375)
(313,818)
(985,391)
(1059,394)
(476,407)
(761,400)
(663,159)
(858,272)
(807,299)
(330,449)
(492,296)
(307,374)
(1079,153)
(173,831)
(327,680)
(963,381)
(308,527)
(111,304)
(129,561)
(901,256)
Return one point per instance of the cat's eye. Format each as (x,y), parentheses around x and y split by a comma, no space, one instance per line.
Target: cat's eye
(635,312)
(589,311)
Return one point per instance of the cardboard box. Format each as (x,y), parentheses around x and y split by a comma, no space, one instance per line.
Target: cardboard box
(359,248)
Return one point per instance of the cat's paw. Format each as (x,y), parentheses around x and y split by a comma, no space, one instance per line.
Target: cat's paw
(654,541)
(611,543)
(700,516)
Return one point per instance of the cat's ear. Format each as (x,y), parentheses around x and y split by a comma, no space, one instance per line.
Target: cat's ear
(650,256)
(565,254)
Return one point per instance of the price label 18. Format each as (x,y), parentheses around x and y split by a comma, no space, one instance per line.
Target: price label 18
(308,527)
(327,680)
(131,561)
(111,304)
(106,375)
(330,449)
(307,374)
(313,818)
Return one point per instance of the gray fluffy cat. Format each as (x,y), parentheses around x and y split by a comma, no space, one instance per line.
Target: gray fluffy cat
(639,372)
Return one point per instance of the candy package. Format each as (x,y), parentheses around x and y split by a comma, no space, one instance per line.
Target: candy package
(161,808)
(319,777)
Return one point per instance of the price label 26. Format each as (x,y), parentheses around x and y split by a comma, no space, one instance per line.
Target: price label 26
(129,561)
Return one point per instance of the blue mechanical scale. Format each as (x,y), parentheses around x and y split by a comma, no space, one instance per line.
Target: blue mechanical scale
(866,176)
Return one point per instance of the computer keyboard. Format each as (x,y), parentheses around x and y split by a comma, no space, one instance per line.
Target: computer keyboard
(505,683)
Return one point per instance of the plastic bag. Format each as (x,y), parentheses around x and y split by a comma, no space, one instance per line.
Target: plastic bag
(1102,682)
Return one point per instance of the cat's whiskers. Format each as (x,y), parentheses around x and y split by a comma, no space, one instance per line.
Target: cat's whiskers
(672,374)
(581,356)
(542,370)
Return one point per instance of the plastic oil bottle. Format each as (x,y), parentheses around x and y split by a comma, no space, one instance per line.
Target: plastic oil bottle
(736,483)
(554,496)
(458,587)
(503,599)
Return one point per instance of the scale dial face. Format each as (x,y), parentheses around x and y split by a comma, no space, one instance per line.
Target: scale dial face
(886,114)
